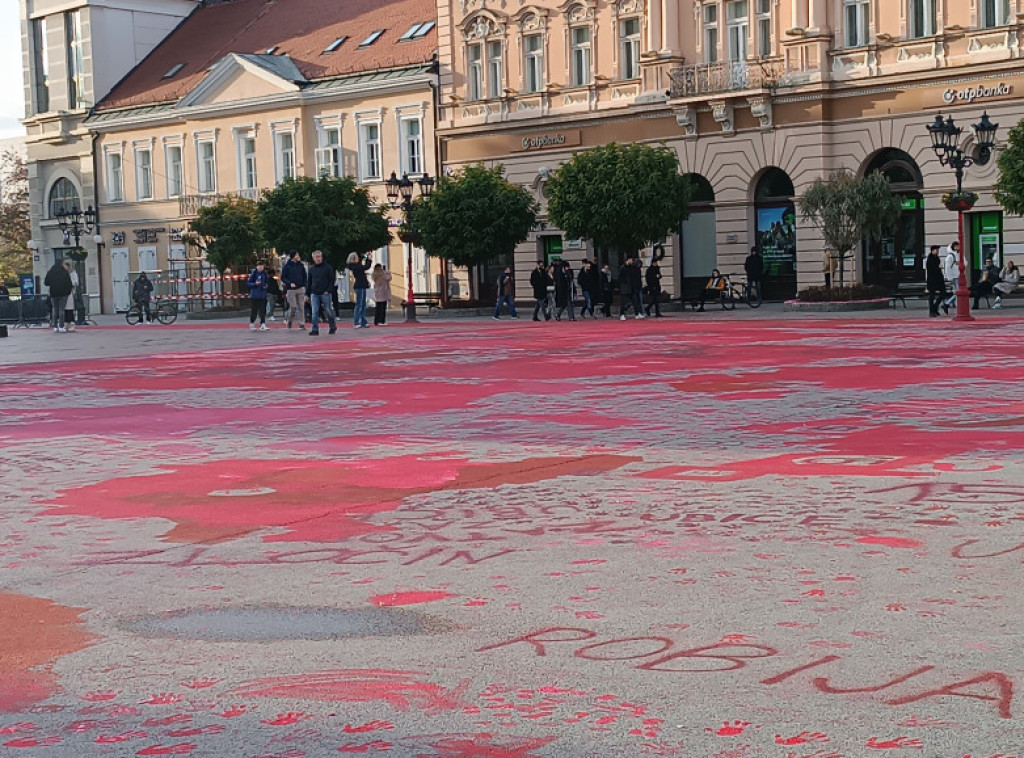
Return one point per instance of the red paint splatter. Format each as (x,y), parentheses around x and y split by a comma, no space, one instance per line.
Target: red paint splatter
(894,744)
(730,729)
(408,598)
(894,542)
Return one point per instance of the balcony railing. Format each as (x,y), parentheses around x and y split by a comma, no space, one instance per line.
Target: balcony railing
(189,205)
(699,79)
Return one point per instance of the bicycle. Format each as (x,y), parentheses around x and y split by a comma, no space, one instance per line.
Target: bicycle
(163,311)
(740,291)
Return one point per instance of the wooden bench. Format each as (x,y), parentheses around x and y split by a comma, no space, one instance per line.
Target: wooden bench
(907,289)
(992,295)
(431,299)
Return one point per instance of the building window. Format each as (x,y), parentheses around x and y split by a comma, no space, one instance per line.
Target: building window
(711,33)
(857,22)
(533,63)
(412,145)
(494,67)
(143,173)
(369,151)
(115,178)
(40,65)
(328,155)
(737,18)
(475,71)
(580,60)
(922,18)
(995,13)
(629,48)
(247,179)
(73,38)
(284,156)
(175,175)
(207,166)
(63,196)
(764,28)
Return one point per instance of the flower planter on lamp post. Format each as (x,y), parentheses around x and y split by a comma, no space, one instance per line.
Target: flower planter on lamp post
(400,192)
(945,136)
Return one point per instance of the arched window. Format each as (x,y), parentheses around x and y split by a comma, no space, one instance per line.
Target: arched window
(63,195)
(899,256)
(776,232)
(774,184)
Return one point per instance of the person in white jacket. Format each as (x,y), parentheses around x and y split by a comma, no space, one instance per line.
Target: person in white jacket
(951,272)
(1009,278)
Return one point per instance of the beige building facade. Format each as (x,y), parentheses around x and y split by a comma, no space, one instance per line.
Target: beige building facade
(198,122)
(758,98)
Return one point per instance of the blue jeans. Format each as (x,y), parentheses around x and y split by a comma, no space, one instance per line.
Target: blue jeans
(511,306)
(588,303)
(315,301)
(359,315)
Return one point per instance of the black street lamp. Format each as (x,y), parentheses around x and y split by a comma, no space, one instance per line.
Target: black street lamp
(945,136)
(75,223)
(400,193)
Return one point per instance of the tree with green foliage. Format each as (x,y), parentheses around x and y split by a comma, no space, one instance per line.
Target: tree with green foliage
(619,196)
(335,216)
(849,209)
(474,216)
(1009,188)
(228,233)
(15,228)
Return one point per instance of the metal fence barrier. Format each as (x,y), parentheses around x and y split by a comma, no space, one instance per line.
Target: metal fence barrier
(31,310)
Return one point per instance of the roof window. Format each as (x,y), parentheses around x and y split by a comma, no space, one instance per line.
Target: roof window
(174,70)
(411,33)
(423,30)
(336,44)
(270,50)
(374,36)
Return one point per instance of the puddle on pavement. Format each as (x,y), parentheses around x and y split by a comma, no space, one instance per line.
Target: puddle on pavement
(273,624)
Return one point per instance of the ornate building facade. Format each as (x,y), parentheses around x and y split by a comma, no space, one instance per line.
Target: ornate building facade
(759,98)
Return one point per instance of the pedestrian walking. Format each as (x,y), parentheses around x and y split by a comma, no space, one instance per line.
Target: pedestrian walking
(607,290)
(563,291)
(590,285)
(59,283)
(653,281)
(539,281)
(381,294)
(754,268)
(69,309)
(320,281)
(631,285)
(258,280)
(293,279)
(361,284)
(506,291)
(142,290)
(951,273)
(935,282)
(275,297)
(828,267)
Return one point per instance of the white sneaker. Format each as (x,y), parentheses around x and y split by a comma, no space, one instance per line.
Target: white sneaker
(71,327)
(252,327)
(62,330)
(997,305)
(640,315)
(271,318)
(55,330)
(622,317)
(264,328)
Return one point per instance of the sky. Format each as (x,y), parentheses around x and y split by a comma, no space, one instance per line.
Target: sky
(12,96)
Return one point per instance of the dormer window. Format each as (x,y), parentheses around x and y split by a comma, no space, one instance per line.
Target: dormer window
(173,70)
(374,36)
(336,44)
(270,50)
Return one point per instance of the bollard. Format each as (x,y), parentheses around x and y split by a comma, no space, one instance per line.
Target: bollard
(3,330)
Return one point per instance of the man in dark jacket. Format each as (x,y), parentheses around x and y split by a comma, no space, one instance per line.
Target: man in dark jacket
(563,290)
(653,280)
(607,289)
(631,288)
(539,281)
(591,287)
(506,290)
(293,279)
(142,289)
(320,282)
(754,268)
(983,288)
(59,281)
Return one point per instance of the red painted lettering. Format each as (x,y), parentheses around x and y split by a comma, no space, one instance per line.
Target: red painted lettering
(664,642)
(1002,683)
(537,638)
(822,685)
(793,672)
(736,657)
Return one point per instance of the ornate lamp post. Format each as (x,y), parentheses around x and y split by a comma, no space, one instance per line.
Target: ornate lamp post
(75,223)
(400,193)
(945,136)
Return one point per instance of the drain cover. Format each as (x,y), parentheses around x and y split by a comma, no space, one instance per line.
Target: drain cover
(271,624)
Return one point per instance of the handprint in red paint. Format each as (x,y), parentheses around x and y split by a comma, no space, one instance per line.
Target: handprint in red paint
(195,731)
(162,698)
(801,739)
(99,696)
(232,712)
(199,684)
(21,726)
(32,742)
(895,607)
(370,726)
(899,742)
(182,748)
(730,729)
(176,718)
(285,719)
(111,739)
(376,745)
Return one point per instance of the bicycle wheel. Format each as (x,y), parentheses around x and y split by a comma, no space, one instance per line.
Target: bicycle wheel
(729,299)
(134,315)
(166,313)
(753,296)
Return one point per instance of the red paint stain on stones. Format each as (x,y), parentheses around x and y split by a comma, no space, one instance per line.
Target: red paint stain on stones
(408,598)
(315,501)
(894,542)
(36,632)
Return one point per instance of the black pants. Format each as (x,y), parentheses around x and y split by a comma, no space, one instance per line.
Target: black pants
(935,298)
(606,303)
(258,307)
(706,295)
(980,290)
(380,313)
(542,305)
(655,303)
(144,307)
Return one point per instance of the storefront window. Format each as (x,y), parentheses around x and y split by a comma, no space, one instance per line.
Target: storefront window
(776,232)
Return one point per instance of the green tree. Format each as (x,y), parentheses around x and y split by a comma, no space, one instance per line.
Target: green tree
(848,209)
(473,216)
(15,228)
(333,215)
(228,233)
(619,196)
(1009,188)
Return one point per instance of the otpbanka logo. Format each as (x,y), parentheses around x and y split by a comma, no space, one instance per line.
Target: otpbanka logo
(970,94)
(545,140)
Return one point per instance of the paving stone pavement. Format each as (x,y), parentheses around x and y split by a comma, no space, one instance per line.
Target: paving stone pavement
(734,536)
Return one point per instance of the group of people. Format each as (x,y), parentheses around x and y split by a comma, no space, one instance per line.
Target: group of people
(316,285)
(63,285)
(943,270)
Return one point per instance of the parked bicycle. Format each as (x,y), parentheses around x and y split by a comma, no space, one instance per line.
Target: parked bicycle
(164,311)
(740,292)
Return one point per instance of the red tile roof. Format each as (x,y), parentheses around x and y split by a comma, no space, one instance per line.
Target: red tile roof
(301,29)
